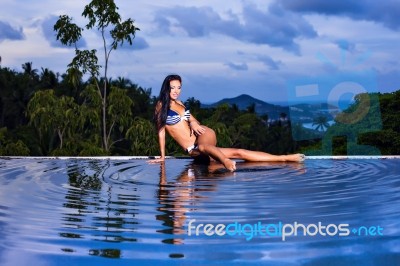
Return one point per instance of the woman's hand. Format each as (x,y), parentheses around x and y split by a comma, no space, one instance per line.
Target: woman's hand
(197,129)
(158,160)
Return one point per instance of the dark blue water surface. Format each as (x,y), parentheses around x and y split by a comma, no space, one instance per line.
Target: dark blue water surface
(128,212)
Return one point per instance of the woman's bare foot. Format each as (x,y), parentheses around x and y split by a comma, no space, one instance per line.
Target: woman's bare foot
(229,164)
(298,157)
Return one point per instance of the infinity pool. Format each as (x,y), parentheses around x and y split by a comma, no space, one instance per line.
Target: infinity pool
(129,212)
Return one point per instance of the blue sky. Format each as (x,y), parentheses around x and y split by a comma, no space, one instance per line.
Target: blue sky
(221,48)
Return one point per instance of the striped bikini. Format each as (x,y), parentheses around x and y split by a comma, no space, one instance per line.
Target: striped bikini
(174,118)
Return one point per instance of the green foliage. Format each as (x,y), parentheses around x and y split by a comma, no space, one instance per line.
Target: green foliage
(389,103)
(48,113)
(362,116)
(79,148)
(119,107)
(141,98)
(387,140)
(242,130)
(246,129)
(280,140)
(86,61)
(102,15)
(91,101)
(119,111)
(67,32)
(9,147)
(102,12)
(192,104)
(223,134)
(45,114)
(221,113)
(74,76)
(143,137)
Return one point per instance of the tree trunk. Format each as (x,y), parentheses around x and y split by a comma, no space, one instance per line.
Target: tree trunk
(105,141)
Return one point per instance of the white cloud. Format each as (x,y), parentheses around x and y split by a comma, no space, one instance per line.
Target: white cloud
(201,50)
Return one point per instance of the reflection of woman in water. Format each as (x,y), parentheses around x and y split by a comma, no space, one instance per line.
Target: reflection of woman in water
(179,197)
(198,140)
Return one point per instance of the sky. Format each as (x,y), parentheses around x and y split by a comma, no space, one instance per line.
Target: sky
(220,48)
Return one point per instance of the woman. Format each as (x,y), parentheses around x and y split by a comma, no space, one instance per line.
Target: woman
(198,140)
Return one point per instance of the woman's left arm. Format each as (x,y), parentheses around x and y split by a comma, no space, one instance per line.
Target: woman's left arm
(195,126)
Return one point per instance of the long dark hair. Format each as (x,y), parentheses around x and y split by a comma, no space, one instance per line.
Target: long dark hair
(163,101)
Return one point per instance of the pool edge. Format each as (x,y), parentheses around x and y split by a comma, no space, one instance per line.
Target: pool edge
(322,157)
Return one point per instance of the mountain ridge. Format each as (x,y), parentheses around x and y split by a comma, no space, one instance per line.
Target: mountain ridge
(243,101)
(301,112)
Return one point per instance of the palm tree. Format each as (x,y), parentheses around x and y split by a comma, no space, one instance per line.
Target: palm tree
(321,123)
(48,79)
(192,103)
(121,83)
(29,70)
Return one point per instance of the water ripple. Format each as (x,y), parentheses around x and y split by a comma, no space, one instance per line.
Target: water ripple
(79,209)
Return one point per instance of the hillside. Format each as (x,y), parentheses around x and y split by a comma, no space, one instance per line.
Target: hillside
(244,101)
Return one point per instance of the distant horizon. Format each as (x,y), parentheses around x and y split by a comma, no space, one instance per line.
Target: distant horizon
(286,103)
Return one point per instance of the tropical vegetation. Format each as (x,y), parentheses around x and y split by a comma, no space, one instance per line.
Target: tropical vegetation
(43,113)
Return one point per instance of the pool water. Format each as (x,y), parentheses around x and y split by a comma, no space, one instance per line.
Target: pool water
(125,212)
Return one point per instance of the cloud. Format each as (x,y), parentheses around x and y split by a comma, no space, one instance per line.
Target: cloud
(269,62)
(386,12)
(277,28)
(274,27)
(195,21)
(240,67)
(163,24)
(324,7)
(345,45)
(9,33)
(50,34)
(138,43)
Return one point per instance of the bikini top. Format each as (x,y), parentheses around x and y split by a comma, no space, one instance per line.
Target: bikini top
(174,118)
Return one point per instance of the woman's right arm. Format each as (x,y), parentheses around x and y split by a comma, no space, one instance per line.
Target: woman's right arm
(161,142)
(161,138)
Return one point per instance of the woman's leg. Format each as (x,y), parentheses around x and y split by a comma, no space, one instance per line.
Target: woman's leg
(258,156)
(206,144)
(207,141)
